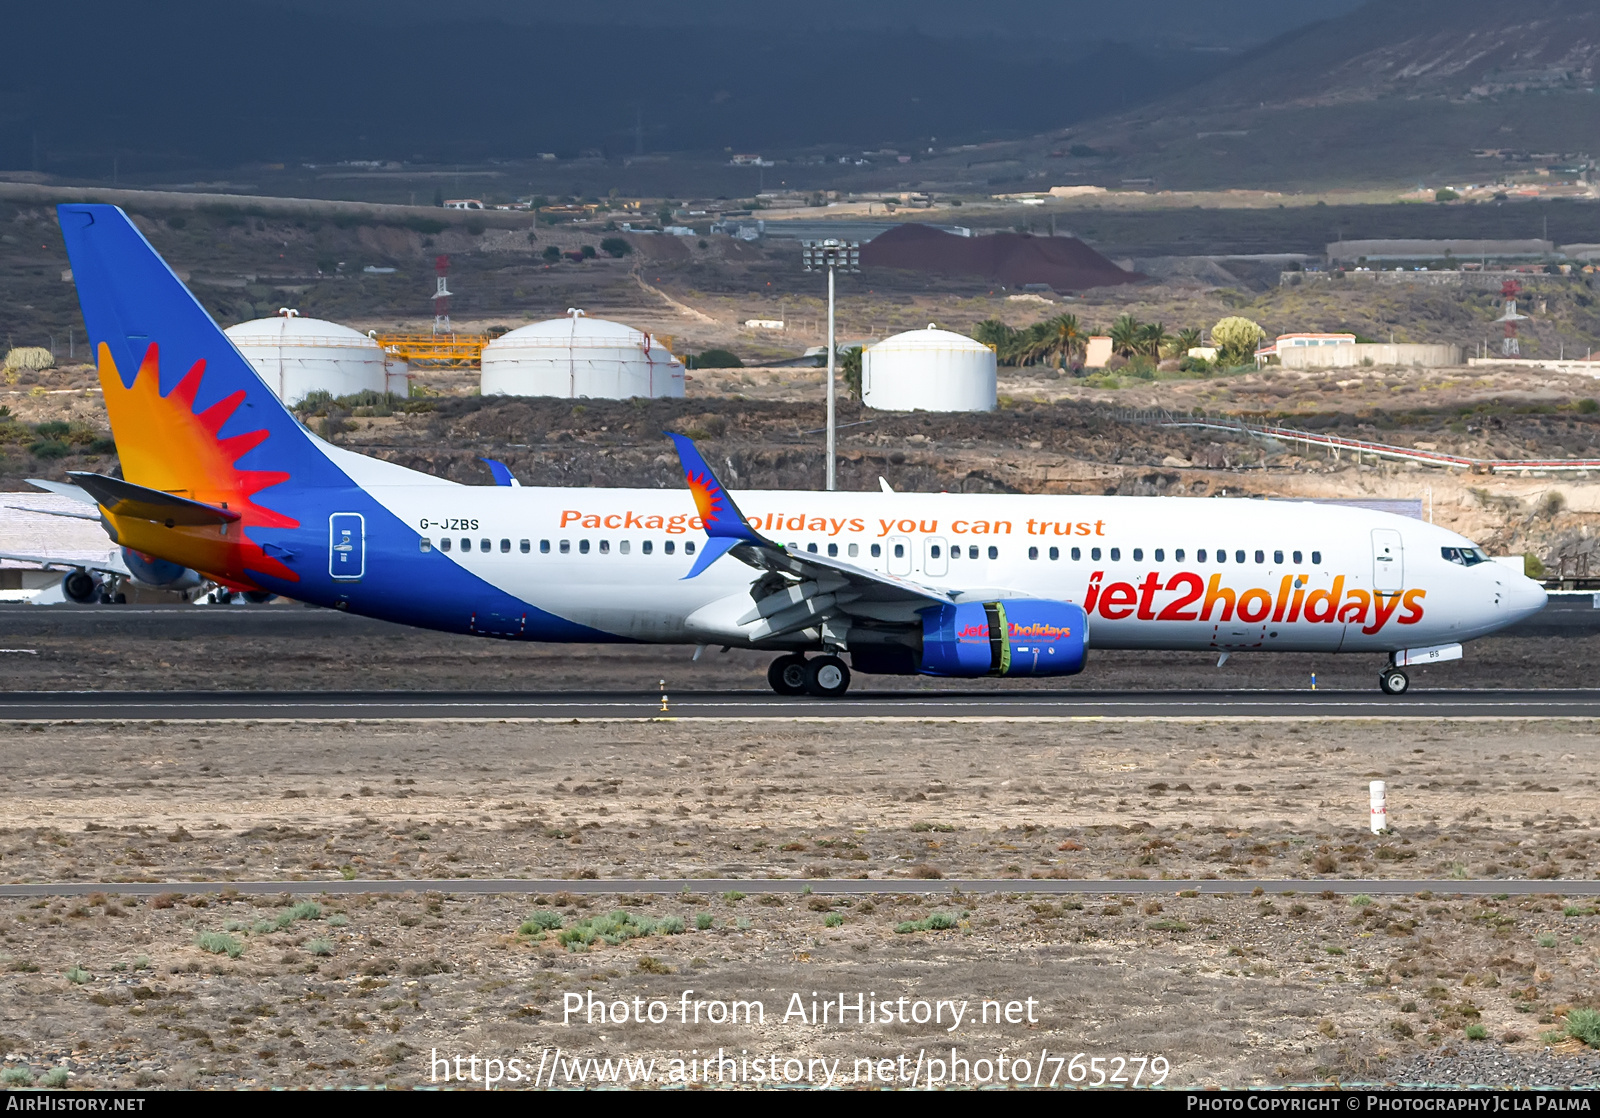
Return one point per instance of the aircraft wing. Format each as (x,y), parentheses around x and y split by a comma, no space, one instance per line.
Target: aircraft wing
(807,590)
(111,564)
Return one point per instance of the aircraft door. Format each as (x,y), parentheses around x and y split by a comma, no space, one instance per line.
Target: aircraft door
(347,546)
(899,554)
(935,556)
(1388,561)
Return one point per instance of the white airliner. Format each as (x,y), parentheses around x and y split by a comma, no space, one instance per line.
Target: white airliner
(219,477)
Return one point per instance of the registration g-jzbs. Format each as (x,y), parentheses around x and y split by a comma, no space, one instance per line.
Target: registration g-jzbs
(450,525)
(1118,1071)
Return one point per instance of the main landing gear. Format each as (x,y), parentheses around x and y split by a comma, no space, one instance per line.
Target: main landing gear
(826,677)
(1393,681)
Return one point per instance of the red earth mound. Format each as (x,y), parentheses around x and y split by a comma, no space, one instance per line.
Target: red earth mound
(1065,263)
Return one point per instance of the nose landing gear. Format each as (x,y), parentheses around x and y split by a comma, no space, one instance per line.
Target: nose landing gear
(1393,681)
(826,677)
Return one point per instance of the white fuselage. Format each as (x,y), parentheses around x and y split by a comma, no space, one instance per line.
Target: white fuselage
(1151,572)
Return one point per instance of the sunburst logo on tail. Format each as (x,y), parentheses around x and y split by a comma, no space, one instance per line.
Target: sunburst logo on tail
(708,497)
(165,444)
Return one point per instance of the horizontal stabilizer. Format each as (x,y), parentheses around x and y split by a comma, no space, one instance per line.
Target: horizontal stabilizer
(62,489)
(123,498)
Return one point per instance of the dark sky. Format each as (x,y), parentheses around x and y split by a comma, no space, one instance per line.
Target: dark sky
(180,86)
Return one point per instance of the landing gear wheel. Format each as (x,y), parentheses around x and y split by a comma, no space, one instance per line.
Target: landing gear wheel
(827,677)
(787,675)
(1393,681)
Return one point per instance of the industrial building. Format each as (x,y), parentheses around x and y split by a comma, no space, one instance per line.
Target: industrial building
(578,357)
(928,370)
(1342,351)
(298,356)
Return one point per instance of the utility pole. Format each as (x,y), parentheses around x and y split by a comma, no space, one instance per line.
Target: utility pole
(831,254)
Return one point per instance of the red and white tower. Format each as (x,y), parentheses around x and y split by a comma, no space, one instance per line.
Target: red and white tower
(441,295)
(1510,346)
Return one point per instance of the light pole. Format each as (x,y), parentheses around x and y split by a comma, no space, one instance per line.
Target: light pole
(831,254)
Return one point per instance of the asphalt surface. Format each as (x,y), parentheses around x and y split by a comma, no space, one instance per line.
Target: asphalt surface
(742,705)
(837,887)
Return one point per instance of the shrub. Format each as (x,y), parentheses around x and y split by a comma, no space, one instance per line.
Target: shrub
(1585,1025)
(16,1077)
(1588,405)
(219,943)
(77,975)
(832,920)
(29,357)
(733,896)
(615,247)
(1546,941)
(938,921)
(540,920)
(320,947)
(551,253)
(670,926)
(1361,900)
(714,359)
(50,449)
(56,1077)
(338,920)
(587,252)
(1477,1032)
(702,922)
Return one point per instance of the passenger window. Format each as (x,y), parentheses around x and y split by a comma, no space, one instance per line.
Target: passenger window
(1077,554)
(667,547)
(544,547)
(485,545)
(877,550)
(1222,555)
(1138,555)
(1094,553)
(583,547)
(525,546)
(1161,555)
(424,544)
(1199,556)
(1316,558)
(833,551)
(1055,553)
(972,552)
(1297,558)
(1238,557)
(1116,555)
(1177,555)
(1261,556)
(688,547)
(466,544)
(812,548)
(994,552)
(566,547)
(853,550)
(605,547)
(622,546)
(1033,553)
(933,551)
(444,545)
(1277,557)
(899,551)
(505,547)
(647,547)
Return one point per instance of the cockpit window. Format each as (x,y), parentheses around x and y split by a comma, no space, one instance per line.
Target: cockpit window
(1466,556)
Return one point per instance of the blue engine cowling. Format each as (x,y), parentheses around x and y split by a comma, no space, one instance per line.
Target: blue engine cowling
(1021,636)
(159,572)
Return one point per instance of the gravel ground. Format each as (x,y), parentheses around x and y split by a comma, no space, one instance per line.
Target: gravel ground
(1232,991)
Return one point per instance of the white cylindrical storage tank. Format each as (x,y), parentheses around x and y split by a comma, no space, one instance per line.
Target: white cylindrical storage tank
(928,370)
(298,356)
(579,357)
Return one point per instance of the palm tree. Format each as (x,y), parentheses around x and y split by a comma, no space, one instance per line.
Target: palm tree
(1125,333)
(1066,338)
(1187,339)
(1153,338)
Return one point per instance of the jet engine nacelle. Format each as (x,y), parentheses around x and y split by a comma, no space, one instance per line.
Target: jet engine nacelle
(80,586)
(150,571)
(1020,636)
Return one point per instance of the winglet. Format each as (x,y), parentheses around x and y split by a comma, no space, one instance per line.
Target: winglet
(501,472)
(721,518)
(718,513)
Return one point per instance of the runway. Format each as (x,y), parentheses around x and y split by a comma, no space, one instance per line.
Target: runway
(834,887)
(760,705)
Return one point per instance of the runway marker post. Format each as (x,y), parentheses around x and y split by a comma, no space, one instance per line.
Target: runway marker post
(1380,807)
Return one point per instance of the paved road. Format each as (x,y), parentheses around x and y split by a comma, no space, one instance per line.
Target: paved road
(853,886)
(728,705)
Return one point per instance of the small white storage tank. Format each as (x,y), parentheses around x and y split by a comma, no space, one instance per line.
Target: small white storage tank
(298,356)
(928,370)
(580,357)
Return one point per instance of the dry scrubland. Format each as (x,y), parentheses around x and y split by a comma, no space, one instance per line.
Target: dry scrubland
(1248,990)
